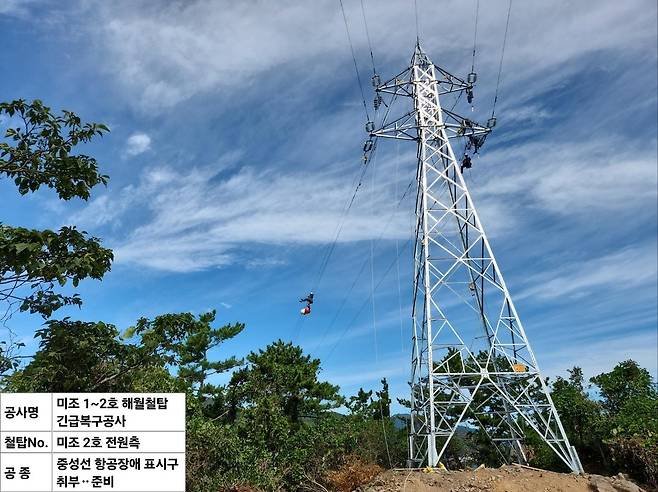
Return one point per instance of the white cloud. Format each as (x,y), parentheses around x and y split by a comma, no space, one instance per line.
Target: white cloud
(573,179)
(17,8)
(528,113)
(169,54)
(198,218)
(597,356)
(623,269)
(213,216)
(164,56)
(110,208)
(138,143)
(367,375)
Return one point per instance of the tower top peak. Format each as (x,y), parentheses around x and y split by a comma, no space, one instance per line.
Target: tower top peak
(420,57)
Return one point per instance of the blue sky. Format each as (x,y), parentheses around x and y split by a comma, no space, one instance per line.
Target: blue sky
(236,137)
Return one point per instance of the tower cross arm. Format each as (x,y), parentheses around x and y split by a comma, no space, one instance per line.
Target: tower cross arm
(402,84)
(459,126)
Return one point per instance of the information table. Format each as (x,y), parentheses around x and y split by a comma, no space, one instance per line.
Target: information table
(125,442)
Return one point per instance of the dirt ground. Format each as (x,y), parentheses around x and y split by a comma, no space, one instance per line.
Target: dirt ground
(504,479)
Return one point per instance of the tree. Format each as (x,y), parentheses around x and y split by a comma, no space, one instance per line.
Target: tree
(383,404)
(38,152)
(581,417)
(90,356)
(365,406)
(579,414)
(627,380)
(360,404)
(77,356)
(630,401)
(184,342)
(32,262)
(287,380)
(277,403)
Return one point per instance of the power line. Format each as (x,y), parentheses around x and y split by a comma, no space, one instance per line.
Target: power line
(372,265)
(363,267)
(330,249)
(341,223)
(417,24)
(356,66)
(365,303)
(365,24)
(327,256)
(502,56)
(475,35)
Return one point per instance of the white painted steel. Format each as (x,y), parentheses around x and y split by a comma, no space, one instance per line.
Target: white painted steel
(471,358)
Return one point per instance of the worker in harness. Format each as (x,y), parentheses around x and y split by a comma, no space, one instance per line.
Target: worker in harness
(308,300)
(466,163)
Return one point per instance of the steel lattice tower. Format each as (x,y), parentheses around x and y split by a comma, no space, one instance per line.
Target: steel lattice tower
(471,360)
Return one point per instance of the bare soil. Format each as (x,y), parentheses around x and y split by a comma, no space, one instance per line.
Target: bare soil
(510,478)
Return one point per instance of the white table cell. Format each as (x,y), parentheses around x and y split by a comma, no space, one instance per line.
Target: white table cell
(119,412)
(26,442)
(25,472)
(25,412)
(119,442)
(149,472)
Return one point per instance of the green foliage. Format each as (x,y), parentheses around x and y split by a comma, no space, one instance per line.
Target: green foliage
(633,444)
(184,342)
(365,406)
(218,458)
(152,378)
(619,431)
(580,416)
(360,404)
(38,150)
(540,455)
(86,356)
(280,408)
(33,262)
(281,383)
(630,420)
(578,413)
(273,401)
(383,404)
(638,417)
(78,356)
(627,380)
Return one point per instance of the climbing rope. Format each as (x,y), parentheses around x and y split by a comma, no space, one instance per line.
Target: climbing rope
(339,229)
(330,249)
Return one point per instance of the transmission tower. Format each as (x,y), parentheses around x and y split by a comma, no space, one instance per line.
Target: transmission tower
(471,364)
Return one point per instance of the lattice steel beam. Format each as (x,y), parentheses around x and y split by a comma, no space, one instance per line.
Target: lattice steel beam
(470,354)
